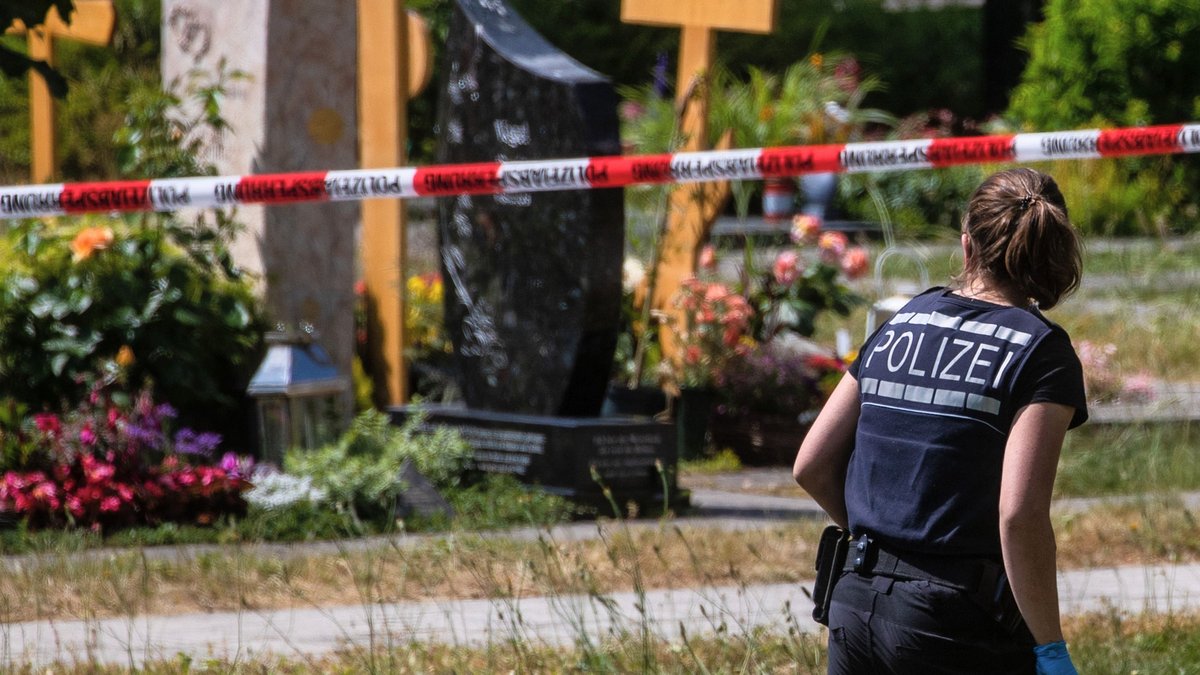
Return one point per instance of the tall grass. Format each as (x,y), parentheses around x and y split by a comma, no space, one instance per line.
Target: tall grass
(1104,459)
(1103,643)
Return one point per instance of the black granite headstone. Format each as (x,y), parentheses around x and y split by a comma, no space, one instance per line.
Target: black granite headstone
(533,280)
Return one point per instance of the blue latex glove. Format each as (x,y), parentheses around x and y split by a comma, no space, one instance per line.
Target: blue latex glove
(1053,659)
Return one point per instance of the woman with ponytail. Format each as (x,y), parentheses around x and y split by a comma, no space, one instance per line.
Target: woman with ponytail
(937,453)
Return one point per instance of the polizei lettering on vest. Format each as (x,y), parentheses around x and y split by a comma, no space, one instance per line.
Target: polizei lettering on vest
(954,359)
(30,203)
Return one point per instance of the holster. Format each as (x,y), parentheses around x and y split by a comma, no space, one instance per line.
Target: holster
(831,557)
(995,596)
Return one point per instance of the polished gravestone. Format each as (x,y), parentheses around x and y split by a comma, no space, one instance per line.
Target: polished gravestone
(533,280)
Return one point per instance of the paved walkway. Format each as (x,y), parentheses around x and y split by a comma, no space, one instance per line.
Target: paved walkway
(313,631)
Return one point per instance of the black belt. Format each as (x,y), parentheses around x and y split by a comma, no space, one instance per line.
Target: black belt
(981,579)
(968,574)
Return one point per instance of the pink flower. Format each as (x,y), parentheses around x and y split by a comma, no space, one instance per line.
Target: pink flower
(854,262)
(1138,388)
(96,471)
(110,504)
(47,423)
(87,435)
(805,228)
(832,246)
(708,257)
(692,355)
(630,110)
(786,268)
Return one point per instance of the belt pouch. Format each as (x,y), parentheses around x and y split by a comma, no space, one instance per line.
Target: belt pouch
(831,557)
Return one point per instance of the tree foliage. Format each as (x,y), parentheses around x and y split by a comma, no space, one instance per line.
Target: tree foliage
(1111,62)
(1107,63)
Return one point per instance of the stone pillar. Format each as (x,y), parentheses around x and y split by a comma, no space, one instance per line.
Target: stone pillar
(295,110)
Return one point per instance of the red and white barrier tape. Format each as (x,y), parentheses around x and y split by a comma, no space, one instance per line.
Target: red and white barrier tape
(587,173)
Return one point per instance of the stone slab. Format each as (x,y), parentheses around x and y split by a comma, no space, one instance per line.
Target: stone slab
(560,454)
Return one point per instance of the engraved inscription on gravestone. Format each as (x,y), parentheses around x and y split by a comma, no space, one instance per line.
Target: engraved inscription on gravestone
(533,279)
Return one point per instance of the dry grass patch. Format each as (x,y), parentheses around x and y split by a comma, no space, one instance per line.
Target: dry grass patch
(468,566)
(461,566)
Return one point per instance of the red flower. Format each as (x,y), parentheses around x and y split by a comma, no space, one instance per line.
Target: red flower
(48,423)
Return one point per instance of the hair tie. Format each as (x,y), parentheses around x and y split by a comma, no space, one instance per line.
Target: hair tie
(1027,201)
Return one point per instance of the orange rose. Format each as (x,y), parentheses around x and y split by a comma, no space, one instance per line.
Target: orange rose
(90,240)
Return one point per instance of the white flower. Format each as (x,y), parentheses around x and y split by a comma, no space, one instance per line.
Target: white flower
(275,489)
(837,112)
(633,272)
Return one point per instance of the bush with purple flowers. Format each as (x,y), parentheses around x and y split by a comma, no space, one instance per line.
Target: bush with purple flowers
(113,463)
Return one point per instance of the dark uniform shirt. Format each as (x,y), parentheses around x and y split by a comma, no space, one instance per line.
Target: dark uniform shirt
(940,384)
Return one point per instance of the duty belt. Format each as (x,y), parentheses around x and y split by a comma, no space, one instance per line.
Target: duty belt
(968,574)
(981,579)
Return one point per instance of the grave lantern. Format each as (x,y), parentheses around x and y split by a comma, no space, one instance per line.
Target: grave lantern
(300,397)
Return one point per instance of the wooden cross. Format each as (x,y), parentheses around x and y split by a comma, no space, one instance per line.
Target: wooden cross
(393,66)
(92,22)
(695,206)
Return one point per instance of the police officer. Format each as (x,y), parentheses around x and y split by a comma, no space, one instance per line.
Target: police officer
(938,452)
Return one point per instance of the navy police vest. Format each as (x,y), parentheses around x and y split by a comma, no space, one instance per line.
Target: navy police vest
(940,384)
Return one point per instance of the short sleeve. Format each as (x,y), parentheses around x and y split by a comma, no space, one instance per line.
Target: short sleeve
(1053,374)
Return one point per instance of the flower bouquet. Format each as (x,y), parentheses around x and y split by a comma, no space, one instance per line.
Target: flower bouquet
(747,340)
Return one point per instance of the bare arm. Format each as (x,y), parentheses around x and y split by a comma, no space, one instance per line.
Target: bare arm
(820,466)
(1026,535)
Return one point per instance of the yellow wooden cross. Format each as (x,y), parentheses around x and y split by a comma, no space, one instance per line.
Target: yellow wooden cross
(393,66)
(695,206)
(92,22)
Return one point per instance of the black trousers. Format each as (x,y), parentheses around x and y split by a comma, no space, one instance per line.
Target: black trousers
(881,626)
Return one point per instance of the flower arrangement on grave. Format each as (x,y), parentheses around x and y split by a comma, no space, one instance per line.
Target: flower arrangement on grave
(749,338)
(115,462)
(715,319)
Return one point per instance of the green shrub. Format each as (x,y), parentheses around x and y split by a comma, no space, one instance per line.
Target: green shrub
(1117,63)
(501,501)
(360,472)
(146,296)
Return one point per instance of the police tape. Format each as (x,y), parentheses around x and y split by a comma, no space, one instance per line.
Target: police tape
(171,194)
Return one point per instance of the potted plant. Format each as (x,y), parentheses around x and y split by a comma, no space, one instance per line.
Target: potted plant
(816,100)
